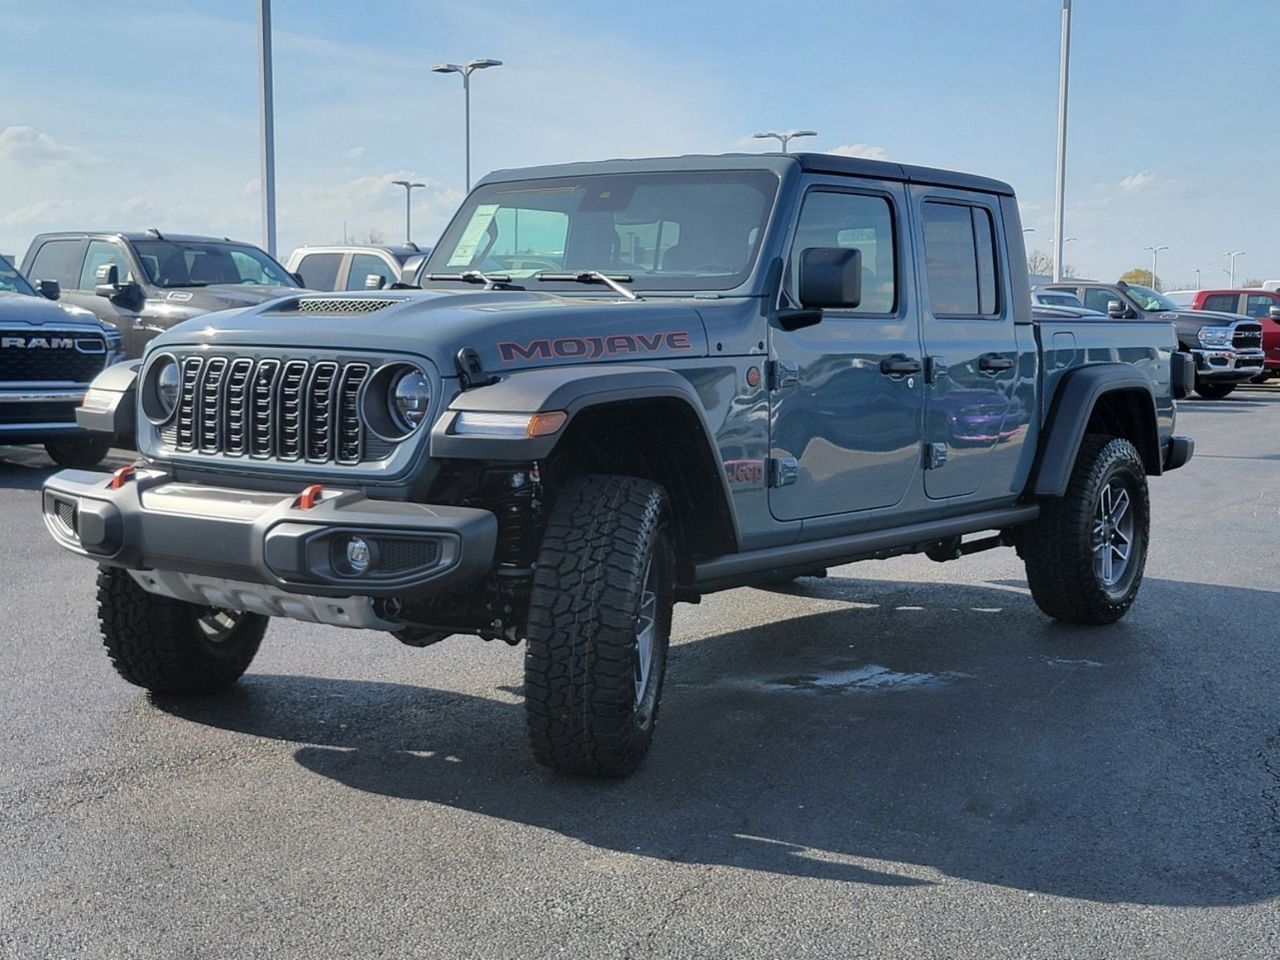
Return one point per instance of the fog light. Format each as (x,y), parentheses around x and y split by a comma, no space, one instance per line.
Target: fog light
(358,555)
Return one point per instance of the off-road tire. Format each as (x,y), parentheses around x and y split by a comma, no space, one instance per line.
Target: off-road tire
(1214,391)
(1057,547)
(580,666)
(78,453)
(158,643)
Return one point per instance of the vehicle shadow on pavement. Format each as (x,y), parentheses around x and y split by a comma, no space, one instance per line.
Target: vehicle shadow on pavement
(902,737)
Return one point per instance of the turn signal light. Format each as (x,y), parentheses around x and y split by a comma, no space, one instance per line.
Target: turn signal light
(545,424)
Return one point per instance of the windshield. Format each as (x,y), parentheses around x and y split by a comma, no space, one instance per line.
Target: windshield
(667,231)
(11,281)
(177,263)
(1148,299)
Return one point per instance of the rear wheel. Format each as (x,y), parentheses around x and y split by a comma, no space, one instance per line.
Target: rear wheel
(1086,553)
(170,646)
(1214,391)
(599,626)
(1261,378)
(79,452)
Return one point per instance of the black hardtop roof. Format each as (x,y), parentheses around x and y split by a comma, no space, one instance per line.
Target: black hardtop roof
(142,235)
(777,162)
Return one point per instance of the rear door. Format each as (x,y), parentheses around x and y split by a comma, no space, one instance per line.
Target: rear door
(844,429)
(969,339)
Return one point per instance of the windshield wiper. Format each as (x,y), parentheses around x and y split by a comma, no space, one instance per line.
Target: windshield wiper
(613,281)
(491,281)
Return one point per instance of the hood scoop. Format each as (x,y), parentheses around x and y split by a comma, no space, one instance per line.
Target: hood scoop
(337,306)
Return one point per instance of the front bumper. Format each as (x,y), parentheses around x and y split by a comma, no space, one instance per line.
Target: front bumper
(33,414)
(150,522)
(1227,365)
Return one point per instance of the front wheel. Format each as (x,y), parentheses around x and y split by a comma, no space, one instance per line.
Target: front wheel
(599,626)
(78,453)
(1086,553)
(1214,391)
(170,646)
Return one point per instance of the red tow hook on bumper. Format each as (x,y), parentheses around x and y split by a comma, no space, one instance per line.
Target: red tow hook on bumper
(310,496)
(121,477)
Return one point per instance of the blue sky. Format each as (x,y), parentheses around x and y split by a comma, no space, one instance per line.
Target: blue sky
(146,114)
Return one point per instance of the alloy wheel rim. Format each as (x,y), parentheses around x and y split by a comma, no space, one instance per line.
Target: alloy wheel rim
(646,631)
(1112,536)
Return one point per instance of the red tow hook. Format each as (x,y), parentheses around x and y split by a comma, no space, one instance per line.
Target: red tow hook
(310,496)
(121,477)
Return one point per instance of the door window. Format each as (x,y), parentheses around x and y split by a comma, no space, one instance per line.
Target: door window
(319,271)
(854,221)
(1097,298)
(363,264)
(1225,302)
(58,260)
(1259,307)
(102,253)
(960,260)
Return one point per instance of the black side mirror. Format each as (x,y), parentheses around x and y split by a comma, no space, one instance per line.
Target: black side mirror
(1273,313)
(830,277)
(107,281)
(297,278)
(1116,310)
(374,281)
(52,290)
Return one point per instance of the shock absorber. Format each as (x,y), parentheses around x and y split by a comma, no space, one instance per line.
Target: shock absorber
(515,497)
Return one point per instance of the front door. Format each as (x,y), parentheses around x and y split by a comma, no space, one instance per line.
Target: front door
(973,409)
(845,404)
(124,316)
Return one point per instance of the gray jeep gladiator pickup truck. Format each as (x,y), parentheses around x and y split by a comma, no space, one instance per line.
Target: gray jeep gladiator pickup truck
(627,383)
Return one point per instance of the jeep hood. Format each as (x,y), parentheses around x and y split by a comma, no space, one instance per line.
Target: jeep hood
(508,329)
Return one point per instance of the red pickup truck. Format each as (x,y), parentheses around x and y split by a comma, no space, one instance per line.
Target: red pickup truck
(1261,305)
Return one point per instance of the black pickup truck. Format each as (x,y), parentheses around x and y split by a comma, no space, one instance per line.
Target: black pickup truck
(625,384)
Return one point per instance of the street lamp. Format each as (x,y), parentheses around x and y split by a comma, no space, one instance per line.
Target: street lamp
(266,128)
(1155,254)
(784,138)
(1232,272)
(1054,259)
(408,194)
(466,71)
(1060,191)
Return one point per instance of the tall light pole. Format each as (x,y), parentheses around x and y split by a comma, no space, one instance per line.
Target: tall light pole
(408,206)
(1053,250)
(1155,255)
(465,70)
(784,138)
(1061,188)
(1197,278)
(266,123)
(1232,272)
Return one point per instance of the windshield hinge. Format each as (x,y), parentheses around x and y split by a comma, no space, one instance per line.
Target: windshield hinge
(471,369)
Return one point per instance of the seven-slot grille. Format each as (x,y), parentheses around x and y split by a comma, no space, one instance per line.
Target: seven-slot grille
(271,409)
(1247,336)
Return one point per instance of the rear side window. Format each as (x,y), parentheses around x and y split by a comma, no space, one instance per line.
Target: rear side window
(363,264)
(858,222)
(101,253)
(1226,302)
(58,260)
(1259,307)
(319,271)
(960,260)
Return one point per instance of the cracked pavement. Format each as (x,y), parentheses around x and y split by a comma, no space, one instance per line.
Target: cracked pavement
(902,760)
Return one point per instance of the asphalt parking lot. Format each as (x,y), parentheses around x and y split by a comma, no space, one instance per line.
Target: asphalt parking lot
(902,760)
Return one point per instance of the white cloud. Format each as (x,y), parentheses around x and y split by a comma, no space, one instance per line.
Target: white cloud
(867,151)
(355,153)
(1136,181)
(27,145)
(37,213)
(253,186)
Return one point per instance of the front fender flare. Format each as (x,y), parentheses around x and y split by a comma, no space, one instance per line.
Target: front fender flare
(1073,404)
(110,403)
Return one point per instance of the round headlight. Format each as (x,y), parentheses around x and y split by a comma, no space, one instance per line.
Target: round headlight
(160,388)
(410,398)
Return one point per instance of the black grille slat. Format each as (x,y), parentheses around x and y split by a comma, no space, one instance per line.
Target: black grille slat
(273,409)
(349,426)
(1247,336)
(319,411)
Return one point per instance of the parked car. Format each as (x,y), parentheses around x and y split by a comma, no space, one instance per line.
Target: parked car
(1227,348)
(352,266)
(144,283)
(689,374)
(49,353)
(1261,305)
